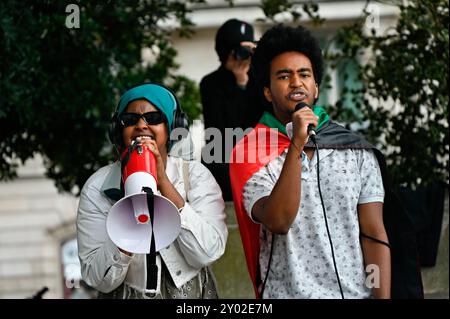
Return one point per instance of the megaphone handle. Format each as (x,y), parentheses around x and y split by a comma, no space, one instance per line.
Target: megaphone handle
(152,268)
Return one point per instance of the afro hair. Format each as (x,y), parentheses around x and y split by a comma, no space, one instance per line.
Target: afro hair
(280,39)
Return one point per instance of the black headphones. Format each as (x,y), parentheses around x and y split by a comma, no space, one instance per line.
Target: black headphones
(180,119)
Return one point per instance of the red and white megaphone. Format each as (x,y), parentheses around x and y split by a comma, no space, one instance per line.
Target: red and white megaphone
(128,223)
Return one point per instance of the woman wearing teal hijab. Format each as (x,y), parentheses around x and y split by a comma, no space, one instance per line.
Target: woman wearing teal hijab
(146,112)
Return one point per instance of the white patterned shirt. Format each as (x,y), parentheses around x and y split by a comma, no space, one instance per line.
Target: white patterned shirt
(302,265)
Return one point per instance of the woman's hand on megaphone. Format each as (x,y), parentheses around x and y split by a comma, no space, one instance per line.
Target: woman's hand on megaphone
(160,163)
(165,186)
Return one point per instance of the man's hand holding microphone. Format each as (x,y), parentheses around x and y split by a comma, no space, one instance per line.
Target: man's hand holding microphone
(303,123)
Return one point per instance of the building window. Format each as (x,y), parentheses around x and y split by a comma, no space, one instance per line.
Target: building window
(73,286)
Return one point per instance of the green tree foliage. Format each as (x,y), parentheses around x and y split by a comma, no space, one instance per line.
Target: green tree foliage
(59,86)
(272,9)
(400,86)
(403,91)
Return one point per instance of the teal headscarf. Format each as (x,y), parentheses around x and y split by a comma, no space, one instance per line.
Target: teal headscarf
(159,96)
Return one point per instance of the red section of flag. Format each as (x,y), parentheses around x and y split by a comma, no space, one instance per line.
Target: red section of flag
(258,148)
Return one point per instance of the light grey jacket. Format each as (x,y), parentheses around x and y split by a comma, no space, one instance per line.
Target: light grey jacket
(201,241)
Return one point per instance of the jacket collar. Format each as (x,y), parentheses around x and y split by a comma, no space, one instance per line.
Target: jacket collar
(112,187)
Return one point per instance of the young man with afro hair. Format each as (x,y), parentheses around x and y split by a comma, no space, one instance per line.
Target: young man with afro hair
(305,234)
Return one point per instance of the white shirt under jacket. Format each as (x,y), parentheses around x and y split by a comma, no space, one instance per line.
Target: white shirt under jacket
(201,241)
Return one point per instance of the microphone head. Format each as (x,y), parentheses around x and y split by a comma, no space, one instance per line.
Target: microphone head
(300,105)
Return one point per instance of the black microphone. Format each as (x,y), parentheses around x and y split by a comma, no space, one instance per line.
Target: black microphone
(311,130)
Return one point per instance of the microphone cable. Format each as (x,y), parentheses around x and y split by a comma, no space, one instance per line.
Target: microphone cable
(313,139)
(263,287)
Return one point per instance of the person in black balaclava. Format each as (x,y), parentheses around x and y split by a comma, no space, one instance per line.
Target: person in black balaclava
(226,93)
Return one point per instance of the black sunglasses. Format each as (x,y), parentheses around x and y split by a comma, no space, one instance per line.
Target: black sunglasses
(150,118)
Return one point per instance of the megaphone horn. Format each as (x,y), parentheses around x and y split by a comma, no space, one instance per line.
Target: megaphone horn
(129,223)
